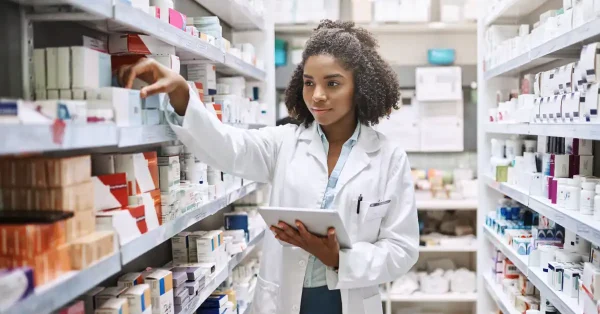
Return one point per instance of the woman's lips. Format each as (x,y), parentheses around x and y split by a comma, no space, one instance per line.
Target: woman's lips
(320,111)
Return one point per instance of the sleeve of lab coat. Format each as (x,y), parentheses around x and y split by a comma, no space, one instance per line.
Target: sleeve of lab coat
(249,154)
(397,247)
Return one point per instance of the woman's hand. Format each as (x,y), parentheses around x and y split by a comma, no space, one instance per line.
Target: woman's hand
(326,249)
(161,80)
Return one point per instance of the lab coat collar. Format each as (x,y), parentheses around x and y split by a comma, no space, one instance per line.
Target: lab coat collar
(369,140)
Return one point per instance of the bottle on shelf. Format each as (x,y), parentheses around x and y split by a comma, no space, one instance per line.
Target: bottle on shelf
(587,198)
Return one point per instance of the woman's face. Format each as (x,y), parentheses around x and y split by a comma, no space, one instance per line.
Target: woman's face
(328,90)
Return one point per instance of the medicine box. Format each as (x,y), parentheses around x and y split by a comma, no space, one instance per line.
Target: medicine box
(170,174)
(113,306)
(180,247)
(126,103)
(177,19)
(64,68)
(91,68)
(52,68)
(139,299)
(170,61)
(39,68)
(141,170)
(89,298)
(591,280)
(130,279)
(589,109)
(110,191)
(571,107)
(138,44)
(161,288)
(589,62)
(109,293)
(70,110)
(205,73)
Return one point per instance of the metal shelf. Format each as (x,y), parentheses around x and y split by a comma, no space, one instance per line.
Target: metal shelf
(145,135)
(60,292)
(237,259)
(583,131)
(234,14)
(499,296)
(101,8)
(236,66)
(567,45)
(429,249)
(152,238)
(393,28)
(39,138)
(447,204)
(563,303)
(437,298)
(513,9)
(508,190)
(520,261)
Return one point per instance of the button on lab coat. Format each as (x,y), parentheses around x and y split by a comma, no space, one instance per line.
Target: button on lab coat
(292,159)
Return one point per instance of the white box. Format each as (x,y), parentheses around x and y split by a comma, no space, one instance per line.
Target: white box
(180,247)
(108,293)
(126,103)
(64,68)
(170,61)
(204,73)
(74,110)
(113,306)
(439,83)
(556,109)
(169,173)
(52,94)
(138,44)
(91,68)
(39,68)
(537,84)
(41,94)
(161,288)
(591,280)
(52,68)
(571,110)
(139,299)
(590,62)
(139,175)
(589,109)
(65,94)
(545,109)
(564,22)
(143,5)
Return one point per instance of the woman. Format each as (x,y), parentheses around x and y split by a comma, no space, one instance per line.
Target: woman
(334,159)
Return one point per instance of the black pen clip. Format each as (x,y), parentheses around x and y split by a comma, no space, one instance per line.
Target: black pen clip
(358,204)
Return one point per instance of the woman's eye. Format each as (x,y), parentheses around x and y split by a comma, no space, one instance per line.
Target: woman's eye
(308,83)
(333,84)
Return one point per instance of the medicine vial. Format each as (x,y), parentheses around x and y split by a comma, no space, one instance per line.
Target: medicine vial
(572,195)
(597,203)
(586,199)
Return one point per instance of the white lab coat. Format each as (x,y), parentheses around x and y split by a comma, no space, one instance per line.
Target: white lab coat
(292,158)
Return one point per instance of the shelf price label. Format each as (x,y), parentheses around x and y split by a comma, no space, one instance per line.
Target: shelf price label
(583,229)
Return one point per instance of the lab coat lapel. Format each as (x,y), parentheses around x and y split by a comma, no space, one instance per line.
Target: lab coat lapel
(315,148)
(358,160)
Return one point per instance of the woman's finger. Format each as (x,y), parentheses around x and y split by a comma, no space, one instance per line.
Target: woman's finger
(332,238)
(121,74)
(302,230)
(142,66)
(288,230)
(159,87)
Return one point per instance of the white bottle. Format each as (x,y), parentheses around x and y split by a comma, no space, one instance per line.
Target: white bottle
(561,190)
(586,201)
(597,203)
(572,195)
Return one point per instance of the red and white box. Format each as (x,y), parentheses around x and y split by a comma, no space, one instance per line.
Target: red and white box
(119,221)
(138,213)
(177,19)
(141,170)
(110,191)
(137,44)
(150,212)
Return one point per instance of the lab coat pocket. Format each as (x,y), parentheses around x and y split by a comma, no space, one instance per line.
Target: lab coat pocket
(265,300)
(372,304)
(369,220)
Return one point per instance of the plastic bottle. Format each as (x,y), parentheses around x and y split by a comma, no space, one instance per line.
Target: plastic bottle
(572,195)
(586,200)
(561,191)
(597,203)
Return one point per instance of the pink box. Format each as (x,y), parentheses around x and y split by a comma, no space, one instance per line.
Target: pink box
(177,19)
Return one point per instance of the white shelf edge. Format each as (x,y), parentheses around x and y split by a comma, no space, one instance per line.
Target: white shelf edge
(240,67)
(571,38)
(508,5)
(438,298)
(584,131)
(520,261)
(499,297)
(153,238)
(447,204)
(402,28)
(428,249)
(222,274)
(98,7)
(583,225)
(60,292)
(563,304)
(234,14)
(145,135)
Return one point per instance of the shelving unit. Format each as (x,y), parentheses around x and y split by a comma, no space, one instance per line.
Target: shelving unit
(559,50)
(116,17)
(426,249)
(426,298)
(433,27)
(447,204)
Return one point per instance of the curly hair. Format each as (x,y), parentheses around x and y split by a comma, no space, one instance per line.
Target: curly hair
(376,85)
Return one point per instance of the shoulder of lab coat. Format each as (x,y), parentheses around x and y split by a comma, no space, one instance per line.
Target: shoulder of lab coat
(397,247)
(250,154)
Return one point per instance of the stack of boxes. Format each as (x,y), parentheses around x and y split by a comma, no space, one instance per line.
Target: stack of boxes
(214,304)
(521,293)
(182,297)
(161,288)
(49,222)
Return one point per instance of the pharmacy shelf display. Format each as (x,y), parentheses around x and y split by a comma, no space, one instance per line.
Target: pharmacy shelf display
(568,45)
(389,28)
(495,291)
(447,204)
(436,298)
(563,304)
(430,249)
(152,238)
(234,14)
(582,131)
(58,293)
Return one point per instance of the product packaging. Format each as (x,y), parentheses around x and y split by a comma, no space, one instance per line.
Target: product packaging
(141,170)
(161,285)
(169,173)
(91,68)
(17,285)
(113,306)
(126,103)
(109,293)
(122,222)
(180,246)
(110,191)
(139,299)
(80,225)
(89,299)
(130,279)
(205,73)
(91,248)
(177,19)
(138,44)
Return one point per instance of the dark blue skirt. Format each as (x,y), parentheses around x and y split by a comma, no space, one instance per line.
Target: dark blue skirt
(321,300)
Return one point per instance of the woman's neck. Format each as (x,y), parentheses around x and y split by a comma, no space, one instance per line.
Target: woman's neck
(340,131)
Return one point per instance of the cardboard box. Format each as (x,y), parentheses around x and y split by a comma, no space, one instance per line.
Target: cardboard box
(589,108)
(591,280)
(589,62)
(139,299)
(110,191)
(55,109)
(126,103)
(80,225)
(161,287)
(130,279)
(114,306)
(151,216)
(571,107)
(91,248)
(138,212)
(170,61)
(170,173)
(109,293)
(89,299)
(91,68)
(64,68)
(141,170)
(156,198)
(177,19)
(205,73)
(138,44)
(180,247)
(39,68)
(119,221)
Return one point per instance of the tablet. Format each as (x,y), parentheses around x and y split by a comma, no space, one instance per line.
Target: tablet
(317,221)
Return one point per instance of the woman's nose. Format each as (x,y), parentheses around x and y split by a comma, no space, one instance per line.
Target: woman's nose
(319,95)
